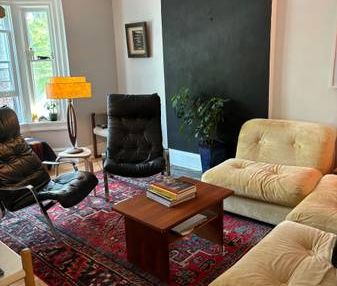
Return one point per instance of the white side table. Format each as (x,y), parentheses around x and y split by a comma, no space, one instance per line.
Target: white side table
(84,155)
(16,267)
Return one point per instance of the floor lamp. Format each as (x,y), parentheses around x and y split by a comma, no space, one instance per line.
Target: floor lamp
(69,88)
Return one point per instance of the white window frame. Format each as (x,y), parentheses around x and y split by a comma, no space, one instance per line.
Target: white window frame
(59,47)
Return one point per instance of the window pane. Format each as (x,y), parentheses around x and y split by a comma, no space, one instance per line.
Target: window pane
(2,24)
(38,32)
(42,71)
(9,101)
(4,49)
(6,84)
(6,78)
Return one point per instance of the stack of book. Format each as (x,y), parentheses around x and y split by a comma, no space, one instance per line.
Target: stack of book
(171,192)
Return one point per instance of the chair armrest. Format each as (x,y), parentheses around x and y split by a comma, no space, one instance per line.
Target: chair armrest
(13,189)
(53,163)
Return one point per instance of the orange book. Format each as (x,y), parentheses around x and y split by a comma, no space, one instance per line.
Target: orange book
(175,186)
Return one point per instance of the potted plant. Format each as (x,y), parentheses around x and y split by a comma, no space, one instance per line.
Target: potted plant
(201,115)
(52,108)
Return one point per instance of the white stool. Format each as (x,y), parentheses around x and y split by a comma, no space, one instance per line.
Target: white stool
(84,155)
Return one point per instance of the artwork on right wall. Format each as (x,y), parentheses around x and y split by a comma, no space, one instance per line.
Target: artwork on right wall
(334,74)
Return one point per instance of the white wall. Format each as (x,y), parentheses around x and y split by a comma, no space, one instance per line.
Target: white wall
(305,40)
(140,75)
(91,48)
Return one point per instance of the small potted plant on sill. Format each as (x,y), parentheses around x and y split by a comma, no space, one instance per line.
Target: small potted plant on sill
(201,116)
(52,108)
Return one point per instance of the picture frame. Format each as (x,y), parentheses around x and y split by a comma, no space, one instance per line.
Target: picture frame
(334,71)
(137,40)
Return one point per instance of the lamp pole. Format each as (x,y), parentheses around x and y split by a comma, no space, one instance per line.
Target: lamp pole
(72,128)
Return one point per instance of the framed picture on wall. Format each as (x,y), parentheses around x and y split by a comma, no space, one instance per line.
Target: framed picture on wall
(137,40)
(334,74)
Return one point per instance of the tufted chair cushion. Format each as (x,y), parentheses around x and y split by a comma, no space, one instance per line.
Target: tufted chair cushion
(19,165)
(292,254)
(134,145)
(292,143)
(320,208)
(278,184)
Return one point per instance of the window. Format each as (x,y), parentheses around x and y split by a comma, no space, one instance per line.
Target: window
(8,84)
(32,49)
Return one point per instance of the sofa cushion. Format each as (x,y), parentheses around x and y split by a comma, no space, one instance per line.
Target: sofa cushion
(320,208)
(292,143)
(292,254)
(278,184)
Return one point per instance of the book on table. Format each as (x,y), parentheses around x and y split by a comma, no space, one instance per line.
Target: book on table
(167,201)
(173,185)
(172,188)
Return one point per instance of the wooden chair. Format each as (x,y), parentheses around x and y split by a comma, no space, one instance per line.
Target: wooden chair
(98,128)
(16,267)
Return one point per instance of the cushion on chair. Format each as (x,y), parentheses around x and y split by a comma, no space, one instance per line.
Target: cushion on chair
(142,169)
(69,189)
(134,146)
(291,143)
(320,208)
(103,132)
(292,254)
(278,184)
(19,165)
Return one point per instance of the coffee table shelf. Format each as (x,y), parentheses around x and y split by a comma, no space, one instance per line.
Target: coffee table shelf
(211,215)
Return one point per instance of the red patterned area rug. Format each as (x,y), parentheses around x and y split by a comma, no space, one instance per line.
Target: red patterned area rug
(92,249)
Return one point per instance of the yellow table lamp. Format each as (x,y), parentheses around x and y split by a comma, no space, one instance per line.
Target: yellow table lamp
(69,88)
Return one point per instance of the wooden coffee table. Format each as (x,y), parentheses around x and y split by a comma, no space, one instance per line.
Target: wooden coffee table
(148,225)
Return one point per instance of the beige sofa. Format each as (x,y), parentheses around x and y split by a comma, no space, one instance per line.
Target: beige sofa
(277,164)
(292,254)
(299,251)
(319,209)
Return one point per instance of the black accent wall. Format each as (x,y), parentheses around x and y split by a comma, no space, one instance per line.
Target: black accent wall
(217,47)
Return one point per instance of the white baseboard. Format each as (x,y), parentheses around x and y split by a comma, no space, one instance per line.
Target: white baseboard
(185,159)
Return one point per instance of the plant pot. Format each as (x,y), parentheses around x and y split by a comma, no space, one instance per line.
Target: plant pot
(53,116)
(211,155)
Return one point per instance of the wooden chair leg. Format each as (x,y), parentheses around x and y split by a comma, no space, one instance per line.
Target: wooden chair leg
(106,186)
(94,137)
(167,171)
(2,210)
(27,265)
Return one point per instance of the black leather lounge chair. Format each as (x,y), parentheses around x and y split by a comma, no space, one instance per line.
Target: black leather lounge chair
(24,180)
(134,147)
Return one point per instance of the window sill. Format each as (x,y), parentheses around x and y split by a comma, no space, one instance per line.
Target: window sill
(44,126)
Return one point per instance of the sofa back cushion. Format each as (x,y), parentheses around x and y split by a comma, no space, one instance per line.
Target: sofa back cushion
(292,143)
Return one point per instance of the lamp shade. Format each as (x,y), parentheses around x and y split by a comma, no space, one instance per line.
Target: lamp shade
(68,88)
